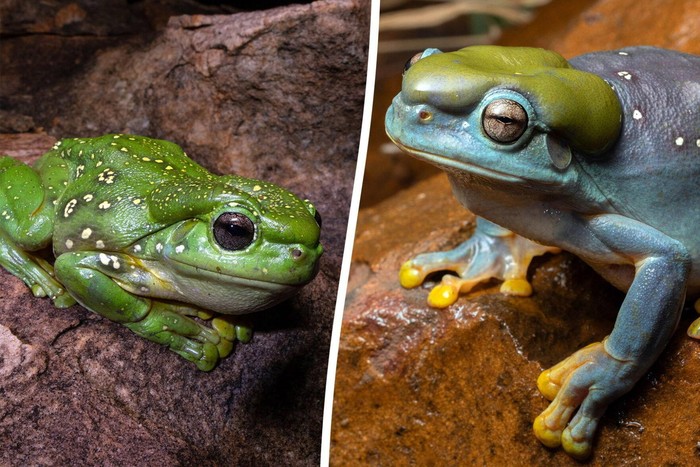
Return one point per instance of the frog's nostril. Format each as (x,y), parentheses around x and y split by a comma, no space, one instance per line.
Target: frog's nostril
(297,253)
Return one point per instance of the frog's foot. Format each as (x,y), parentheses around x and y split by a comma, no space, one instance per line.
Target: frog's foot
(589,381)
(37,273)
(191,339)
(694,329)
(491,253)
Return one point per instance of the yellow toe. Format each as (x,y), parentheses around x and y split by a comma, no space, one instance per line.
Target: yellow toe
(224,347)
(576,449)
(517,287)
(225,329)
(694,329)
(443,295)
(544,383)
(410,277)
(549,438)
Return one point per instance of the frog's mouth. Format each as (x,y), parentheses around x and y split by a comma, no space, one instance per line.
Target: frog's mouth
(452,164)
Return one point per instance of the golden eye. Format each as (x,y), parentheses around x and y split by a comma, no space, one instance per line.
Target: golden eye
(504,120)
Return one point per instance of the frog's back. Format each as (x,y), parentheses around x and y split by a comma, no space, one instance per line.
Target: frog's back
(103,183)
(653,173)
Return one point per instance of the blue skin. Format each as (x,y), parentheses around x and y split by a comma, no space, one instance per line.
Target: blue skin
(631,211)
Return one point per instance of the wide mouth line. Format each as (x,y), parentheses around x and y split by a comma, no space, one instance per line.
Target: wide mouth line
(439,159)
(257,283)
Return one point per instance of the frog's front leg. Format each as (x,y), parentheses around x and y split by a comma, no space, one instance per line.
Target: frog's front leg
(492,252)
(98,281)
(582,386)
(26,224)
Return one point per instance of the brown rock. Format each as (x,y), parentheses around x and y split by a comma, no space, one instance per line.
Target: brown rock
(278,95)
(421,386)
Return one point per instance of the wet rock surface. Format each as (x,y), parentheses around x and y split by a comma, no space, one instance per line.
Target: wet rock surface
(258,94)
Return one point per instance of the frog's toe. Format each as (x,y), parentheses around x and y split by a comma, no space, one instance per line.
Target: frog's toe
(517,287)
(579,443)
(410,276)
(443,295)
(63,300)
(204,356)
(694,329)
(38,291)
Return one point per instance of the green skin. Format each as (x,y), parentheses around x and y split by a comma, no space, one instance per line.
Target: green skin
(138,237)
(599,156)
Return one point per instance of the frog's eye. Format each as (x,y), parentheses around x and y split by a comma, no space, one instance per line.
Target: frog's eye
(317,216)
(412,61)
(233,231)
(504,120)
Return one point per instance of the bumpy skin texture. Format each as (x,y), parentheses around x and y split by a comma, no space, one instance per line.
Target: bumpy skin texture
(146,237)
(599,156)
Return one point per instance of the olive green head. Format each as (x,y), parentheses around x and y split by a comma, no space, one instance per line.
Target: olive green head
(579,107)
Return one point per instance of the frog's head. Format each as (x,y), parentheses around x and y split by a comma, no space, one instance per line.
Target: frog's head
(511,115)
(238,245)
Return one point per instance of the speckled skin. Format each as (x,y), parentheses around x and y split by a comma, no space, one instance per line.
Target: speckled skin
(146,237)
(629,207)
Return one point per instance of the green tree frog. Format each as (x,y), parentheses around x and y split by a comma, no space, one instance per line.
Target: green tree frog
(144,236)
(599,156)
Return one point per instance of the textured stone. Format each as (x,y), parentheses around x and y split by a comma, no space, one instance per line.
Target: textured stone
(421,386)
(275,95)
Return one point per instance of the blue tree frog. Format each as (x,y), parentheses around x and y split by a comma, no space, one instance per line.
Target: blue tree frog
(599,156)
(144,236)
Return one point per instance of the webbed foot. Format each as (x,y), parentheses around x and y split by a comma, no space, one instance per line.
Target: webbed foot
(492,252)
(581,387)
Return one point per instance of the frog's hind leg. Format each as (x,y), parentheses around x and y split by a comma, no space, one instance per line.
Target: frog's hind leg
(99,282)
(492,252)
(26,224)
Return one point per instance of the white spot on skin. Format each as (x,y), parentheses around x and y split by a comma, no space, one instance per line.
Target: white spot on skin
(86,233)
(159,247)
(70,206)
(637,115)
(99,244)
(679,141)
(623,53)
(137,201)
(104,259)
(69,243)
(257,188)
(179,248)
(115,262)
(104,205)
(697,143)
(88,198)
(137,248)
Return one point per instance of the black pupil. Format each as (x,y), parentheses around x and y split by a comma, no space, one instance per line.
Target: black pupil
(317,216)
(233,231)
